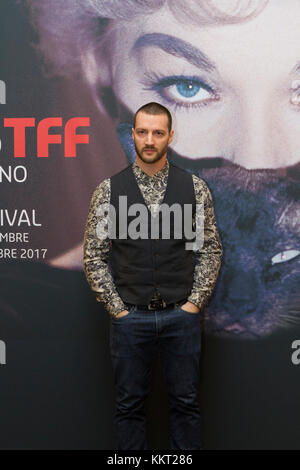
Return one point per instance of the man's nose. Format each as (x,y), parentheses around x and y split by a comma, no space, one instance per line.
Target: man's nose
(149,138)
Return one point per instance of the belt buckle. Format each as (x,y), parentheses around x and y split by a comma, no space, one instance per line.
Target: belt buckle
(157,305)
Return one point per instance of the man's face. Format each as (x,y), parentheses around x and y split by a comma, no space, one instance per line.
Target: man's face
(234,99)
(151,136)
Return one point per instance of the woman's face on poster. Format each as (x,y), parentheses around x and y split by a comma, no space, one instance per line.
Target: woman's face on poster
(233,89)
(234,94)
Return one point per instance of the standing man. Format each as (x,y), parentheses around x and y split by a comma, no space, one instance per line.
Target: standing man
(154,288)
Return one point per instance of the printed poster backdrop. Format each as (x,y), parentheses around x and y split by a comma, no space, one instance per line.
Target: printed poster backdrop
(73,73)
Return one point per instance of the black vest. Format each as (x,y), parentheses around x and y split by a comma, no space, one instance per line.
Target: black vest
(138,266)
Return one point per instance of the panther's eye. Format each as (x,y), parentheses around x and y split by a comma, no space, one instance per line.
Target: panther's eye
(285,256)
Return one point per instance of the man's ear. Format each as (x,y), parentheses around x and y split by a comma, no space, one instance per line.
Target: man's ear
(171,136)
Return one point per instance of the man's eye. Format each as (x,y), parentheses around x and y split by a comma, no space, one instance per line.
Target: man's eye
(182,91)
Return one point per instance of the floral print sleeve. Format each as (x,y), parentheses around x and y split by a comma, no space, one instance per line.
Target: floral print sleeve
(96,250)
(96,255)
(208,258)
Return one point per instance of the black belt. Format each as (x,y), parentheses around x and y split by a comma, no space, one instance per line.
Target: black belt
(158,304)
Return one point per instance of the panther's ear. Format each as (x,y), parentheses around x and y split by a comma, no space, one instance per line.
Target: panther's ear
(290,217)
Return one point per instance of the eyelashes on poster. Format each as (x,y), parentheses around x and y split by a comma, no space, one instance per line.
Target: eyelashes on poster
(229,73)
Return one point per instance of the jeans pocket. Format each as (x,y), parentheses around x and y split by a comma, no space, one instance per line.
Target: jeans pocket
(189,313)
(131,309)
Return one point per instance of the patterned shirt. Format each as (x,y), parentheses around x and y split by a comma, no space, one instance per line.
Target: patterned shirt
(96,250)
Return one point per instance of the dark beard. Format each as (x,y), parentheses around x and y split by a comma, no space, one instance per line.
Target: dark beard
(158,156)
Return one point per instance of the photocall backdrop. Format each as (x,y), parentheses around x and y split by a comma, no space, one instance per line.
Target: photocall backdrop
(72,75)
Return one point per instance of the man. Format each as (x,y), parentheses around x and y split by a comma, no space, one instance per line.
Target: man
(153,288)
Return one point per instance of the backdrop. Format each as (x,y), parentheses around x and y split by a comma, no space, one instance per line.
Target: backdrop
(73,73)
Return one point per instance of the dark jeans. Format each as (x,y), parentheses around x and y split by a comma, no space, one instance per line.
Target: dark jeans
(176,334)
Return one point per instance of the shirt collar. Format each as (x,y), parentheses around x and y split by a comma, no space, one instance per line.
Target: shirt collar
(158,175)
